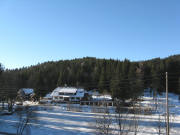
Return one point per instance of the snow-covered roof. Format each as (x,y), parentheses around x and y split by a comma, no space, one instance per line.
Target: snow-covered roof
(48,95)
(77,92)
(102,97)
(66,89)
(93,93)
(28,91)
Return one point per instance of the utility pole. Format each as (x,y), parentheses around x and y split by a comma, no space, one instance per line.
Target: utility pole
(167,107)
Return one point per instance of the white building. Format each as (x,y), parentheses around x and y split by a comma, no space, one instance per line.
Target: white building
(96,96)
(101,97)
(67,94)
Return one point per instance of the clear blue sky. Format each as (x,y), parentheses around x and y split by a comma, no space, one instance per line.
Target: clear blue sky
(33,31)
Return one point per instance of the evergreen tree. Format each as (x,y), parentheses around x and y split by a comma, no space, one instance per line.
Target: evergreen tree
(102,81)
(178,91)
(1,69)
(115,83)
(135,82)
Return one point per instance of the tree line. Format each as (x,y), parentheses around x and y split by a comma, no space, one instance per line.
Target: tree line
(123,79)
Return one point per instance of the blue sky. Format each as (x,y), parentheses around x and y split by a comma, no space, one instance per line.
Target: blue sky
(36,31)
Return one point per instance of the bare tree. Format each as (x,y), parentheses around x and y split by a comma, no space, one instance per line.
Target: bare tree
(104,122)
(2,102)
(160,124)
(136,110)
(161,119)
(11,102)
(121,116)
(25,118)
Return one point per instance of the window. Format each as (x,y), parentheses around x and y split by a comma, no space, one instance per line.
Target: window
(69,93)
(66,98)
(61,93)
(60,97)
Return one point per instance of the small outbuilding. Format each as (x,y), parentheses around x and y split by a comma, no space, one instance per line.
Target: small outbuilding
(26,93)
(46,99)
(96,96)
(101,97)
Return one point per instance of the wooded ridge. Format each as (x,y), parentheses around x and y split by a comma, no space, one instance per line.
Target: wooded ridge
(123,79)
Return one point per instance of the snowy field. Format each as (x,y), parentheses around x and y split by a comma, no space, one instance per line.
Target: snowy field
(55,120)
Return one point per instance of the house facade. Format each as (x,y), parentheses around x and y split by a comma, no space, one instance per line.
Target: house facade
(67,94)
(26,93)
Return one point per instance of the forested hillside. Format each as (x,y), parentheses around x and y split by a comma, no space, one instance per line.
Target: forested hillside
(122,79)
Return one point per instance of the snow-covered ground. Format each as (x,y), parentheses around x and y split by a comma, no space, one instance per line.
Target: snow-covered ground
(55,120)
(52,120)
